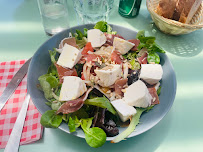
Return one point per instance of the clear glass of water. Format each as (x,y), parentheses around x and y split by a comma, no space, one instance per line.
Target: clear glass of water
(92,11)
(54,15)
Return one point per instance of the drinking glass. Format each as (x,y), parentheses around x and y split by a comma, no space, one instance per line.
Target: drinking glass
(92,11)
(54,15)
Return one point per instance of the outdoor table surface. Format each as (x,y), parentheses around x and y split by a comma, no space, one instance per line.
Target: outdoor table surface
(181,130)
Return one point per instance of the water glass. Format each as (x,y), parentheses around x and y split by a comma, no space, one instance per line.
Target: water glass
(54,15)
(92,11)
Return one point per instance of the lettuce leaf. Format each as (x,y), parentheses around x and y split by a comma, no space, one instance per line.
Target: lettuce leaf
(102,102)
(46,87)
(95,137)
(104,27)
(148,42)
(50,119)
(134,122)
(81,43)
(135,65)
(101,25)
(73,123)
(152,47)
(153,57)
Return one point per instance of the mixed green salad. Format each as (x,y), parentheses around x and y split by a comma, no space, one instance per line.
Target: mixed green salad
(99,81)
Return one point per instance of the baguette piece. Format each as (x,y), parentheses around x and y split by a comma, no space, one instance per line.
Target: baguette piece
(178,9)
(189,9)
(166,8)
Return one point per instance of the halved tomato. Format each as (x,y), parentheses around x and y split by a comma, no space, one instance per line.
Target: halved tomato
(116,57)
(88,47)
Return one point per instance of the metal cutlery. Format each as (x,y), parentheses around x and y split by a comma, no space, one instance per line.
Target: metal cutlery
(15,136)
(14,139)
(13,84)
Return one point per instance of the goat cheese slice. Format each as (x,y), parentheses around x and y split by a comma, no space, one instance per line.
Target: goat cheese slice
(124,110)
(96,37)
(151,73)
(122,45)
(72,88)
(108,75)
(69,56)
(137,95)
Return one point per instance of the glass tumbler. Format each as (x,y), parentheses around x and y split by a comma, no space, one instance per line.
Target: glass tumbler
(54,15)
(92,11)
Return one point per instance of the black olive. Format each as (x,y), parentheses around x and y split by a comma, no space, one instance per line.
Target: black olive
(111,123)
(134,76)
(109,126)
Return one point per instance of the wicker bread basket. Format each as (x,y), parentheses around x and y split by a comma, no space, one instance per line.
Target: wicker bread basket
(174,27)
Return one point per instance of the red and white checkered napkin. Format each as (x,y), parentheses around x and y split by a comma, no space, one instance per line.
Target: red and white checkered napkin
(32,130)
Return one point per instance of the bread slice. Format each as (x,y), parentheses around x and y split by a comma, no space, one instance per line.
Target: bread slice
(178,9)
(189,9)
(166,8)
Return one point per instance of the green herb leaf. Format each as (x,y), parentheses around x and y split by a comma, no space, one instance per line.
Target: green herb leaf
(52,70)
(102,102)
(101,25)
(109,30)
(50,120)
(71,125)
(80,35)
(86,123)
(53,55)
(157,48)
(140,34)
(77,121)
(48,103)
(135,65)
(153,58)
(81,113)
(58,90)
(53,81)
(55,105)
(46,87)
(95,137)
(104,27)
(130,55)
(66,117)
(85,32)
(159,91)
(81,43)
(149,108)
(134,122)
(148,42)
(141,45)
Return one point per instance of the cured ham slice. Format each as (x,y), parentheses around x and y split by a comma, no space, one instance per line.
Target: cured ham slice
(71,41)
(116,57)
(89,58)
(155,97)
(119,85)
(136,42)
(73,105)
(65,72)
(143,59)
(110,38)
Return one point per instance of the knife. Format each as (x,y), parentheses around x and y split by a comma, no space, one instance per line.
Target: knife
(15,136)
(13,84)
